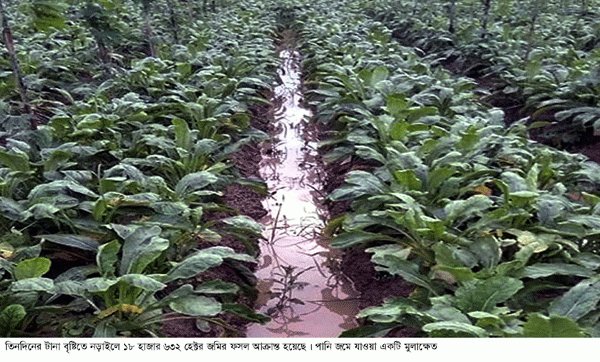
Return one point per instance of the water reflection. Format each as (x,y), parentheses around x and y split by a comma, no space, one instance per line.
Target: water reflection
(300,285)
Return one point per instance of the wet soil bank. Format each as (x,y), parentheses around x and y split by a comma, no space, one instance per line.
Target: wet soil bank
(241,200)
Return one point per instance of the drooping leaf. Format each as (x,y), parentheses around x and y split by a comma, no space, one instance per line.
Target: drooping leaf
(542,270)
(182,133)
(357,237)
(361,183)
(453,328)
(75,241)
(245,312)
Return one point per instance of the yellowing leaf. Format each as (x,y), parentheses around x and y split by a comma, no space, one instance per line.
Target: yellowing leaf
(125,308)
(526,238)
(6,250)
(483,190)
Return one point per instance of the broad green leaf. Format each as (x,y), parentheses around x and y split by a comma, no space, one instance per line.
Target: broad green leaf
(408,179)
(10,319)
(69,287)
(396,104)
(182,133)
(416,113)
(105,329)
(380,252)
(140,248)
(487,250)
(463,209)
(376,331)
(98,285)
(438,176)
(538,326)
(484,295)
(194,182)
(31,268)
(217,287)
(244,223)
(228,253)
(33,285)
(107,257)
(47,14)
(588,260)
(43,211)
(399,130)
(193,265)
(16,162)
(578,301)
(11,209)
(447,313)
(486,319)
(469,139)
(392,310)
(406,269)
(378,75)
(360,183)
(143,282)
(197,306)
(60,187)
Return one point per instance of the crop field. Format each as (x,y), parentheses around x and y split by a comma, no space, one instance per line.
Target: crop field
(279,168)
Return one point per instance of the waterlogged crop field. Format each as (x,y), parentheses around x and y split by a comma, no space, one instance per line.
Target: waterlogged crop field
(316,168)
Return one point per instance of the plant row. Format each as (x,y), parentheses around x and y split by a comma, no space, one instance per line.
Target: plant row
(111,179)
(537,59)
(497,234)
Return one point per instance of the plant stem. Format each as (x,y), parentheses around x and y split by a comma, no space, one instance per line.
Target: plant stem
(10,47)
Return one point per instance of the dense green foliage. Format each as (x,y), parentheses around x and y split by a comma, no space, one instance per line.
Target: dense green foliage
(118,119)
(498,234)
(103,201)
(539,59)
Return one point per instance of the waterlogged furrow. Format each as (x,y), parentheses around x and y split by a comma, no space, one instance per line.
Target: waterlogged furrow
(298,283)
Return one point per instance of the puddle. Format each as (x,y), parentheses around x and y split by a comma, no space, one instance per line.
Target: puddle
(300,285)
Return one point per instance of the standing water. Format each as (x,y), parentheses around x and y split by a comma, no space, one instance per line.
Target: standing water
(300,287)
